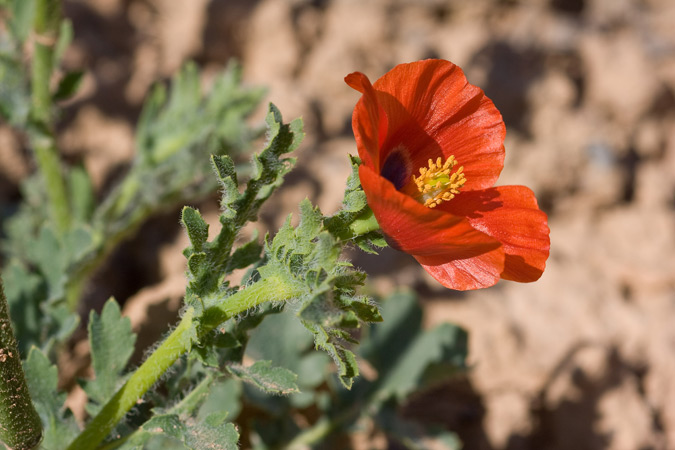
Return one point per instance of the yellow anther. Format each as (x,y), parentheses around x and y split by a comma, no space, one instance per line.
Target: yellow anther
(435,182)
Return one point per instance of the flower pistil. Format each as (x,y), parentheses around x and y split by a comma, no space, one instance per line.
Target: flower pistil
(436,184)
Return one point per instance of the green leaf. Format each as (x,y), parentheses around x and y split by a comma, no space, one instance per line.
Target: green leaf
(408,358)
(265,344)
(61,325)
(344,358)
(51,259)
(224,168)
(354,215)
(36,322)
(311,219)
(42,378)
(197,228)
(270,166)
(330,307)
(21,14)
(177,132)
(273,380)
(24,290)
(165,127)
(207,272)
(224,395)
(211,433)
(227,343)
(82,196)
(245,255)
(112,343)
(56,255)
(64,40)
(401,325)
(68,86)
(14,90)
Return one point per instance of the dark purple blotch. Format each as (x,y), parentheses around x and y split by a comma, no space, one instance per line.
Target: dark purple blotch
(396,167)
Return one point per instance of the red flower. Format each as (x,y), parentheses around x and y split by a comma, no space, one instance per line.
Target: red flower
(432,146)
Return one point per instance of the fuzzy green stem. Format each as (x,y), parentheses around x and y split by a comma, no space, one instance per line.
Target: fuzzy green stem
(269,289)
(189,403)
(364,224)
(20,425)
(175,345)
(46,29)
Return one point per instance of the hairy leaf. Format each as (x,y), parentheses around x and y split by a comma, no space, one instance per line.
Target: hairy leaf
(354,208)
(112,343)
(42,378)
(309,257)
(211,433)
(177,131)
(210,262)
(273,380)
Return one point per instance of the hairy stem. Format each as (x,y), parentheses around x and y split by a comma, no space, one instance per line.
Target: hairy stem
(175,345)
(46,29)
(364,224)
(20,425)
(190,400)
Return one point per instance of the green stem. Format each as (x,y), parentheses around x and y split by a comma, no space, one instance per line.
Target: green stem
(364,224)
(317,433)
(189,403)
(20,425)
(49,163)
(175,345)
(322,429)
(46,29)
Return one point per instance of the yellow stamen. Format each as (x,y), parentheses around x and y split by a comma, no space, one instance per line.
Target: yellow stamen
(436,184)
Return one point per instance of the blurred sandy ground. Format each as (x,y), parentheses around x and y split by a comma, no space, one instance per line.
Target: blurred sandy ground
(582,359)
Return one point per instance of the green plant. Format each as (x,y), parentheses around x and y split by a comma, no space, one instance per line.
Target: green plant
(282,346)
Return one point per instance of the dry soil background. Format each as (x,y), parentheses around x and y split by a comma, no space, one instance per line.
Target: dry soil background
(582,359)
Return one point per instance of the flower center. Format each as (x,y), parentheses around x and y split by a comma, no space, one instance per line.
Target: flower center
(436,184)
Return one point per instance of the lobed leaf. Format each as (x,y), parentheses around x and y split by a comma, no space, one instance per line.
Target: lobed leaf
(197,229)
(210,262)
(272,380)
(309,257)
(177,129)
(213,433)
(354,208)
(42,379)
(112,344)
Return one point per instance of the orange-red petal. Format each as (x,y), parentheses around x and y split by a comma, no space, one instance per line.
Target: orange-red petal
(476,272)
(509,214)
(369,121)
(431,110)
(415,229)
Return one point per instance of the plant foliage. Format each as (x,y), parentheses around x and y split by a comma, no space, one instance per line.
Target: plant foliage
(245,370)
